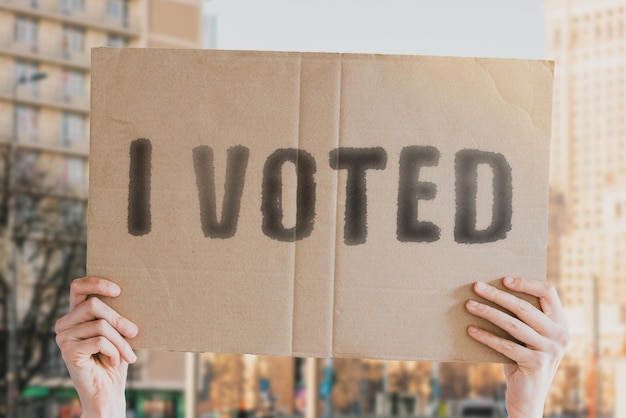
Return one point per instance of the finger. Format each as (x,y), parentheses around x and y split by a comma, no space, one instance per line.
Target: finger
(91,309)
(516,328)
(82,288)
(102,328)
(546,292)
(81,352)
(521,308)
(515,352)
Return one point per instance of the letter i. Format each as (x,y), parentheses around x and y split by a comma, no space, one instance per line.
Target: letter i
(139,218)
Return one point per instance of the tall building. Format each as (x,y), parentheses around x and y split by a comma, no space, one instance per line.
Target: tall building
(44,126)
(587,40)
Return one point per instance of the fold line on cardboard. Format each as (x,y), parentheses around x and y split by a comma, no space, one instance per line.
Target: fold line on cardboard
(339,124)
(295,247)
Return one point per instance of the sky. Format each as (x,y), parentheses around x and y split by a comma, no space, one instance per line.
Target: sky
(480,28)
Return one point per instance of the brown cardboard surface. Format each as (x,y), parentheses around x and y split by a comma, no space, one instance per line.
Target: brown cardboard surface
(362,292)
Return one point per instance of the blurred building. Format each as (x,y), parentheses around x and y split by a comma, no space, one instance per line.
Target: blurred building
(587,40)
(44,103)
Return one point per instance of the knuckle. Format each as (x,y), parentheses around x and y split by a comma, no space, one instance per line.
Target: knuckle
(512,324)
(93,304)
(549,288)
(65,347)
(58,325)
(100,342)
(75,285)
(100,326)
(506,345)
(524,306)
(563,339)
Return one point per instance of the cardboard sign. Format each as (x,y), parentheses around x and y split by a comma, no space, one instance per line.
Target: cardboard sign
(314,204)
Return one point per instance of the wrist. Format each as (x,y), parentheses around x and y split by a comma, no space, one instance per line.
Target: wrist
(528,412)
(107,411)
(103,407)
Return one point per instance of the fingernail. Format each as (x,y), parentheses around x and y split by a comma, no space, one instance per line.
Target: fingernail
(115,289)
(128,328)
(473,329)
(473,304)
(509,280)
(133,357)
(481,285)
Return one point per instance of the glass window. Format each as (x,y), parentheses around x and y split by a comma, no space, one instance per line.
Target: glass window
(26,123)
(26,69)
(115,41)
(73,172)
(73,40)
(72,129)
(25,31)
(72,84)
(26,167)
(68,6)
(118,10)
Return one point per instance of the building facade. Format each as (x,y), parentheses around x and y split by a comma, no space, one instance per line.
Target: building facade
(44,129)
(587,41)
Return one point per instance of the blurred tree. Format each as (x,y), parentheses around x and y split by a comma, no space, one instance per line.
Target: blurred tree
(43,235)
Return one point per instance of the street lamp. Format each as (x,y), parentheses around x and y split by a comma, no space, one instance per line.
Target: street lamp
(11,320)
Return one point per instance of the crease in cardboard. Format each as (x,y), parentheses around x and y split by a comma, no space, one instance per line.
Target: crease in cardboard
(334,286)
(498,89)
(295,247)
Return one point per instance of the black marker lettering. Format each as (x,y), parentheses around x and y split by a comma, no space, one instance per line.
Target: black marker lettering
(272,199)
(357,161)
(466,164)
(410,191)
(139,219)
(203,164)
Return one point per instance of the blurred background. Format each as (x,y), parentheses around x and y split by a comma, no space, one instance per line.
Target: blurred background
(44,129)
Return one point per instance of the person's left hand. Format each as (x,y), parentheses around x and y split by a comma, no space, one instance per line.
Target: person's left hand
(543,335)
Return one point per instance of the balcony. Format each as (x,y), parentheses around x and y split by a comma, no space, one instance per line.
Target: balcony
(50,144)
(94,16)
(55,97)
(51,51)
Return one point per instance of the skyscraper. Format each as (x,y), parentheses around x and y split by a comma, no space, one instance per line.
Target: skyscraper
(587,40)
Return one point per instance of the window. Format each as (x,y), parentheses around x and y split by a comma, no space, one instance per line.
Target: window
(115,41)
(26,69)
(73,172)
(26,123)
(25,31)
(118,10)
(72,129)
(26,168)
(72,84)
(73,41)
(69,6)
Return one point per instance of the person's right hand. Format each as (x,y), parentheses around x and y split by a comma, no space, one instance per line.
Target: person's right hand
(92,339)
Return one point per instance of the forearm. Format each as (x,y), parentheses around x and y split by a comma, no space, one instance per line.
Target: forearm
(114,407)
